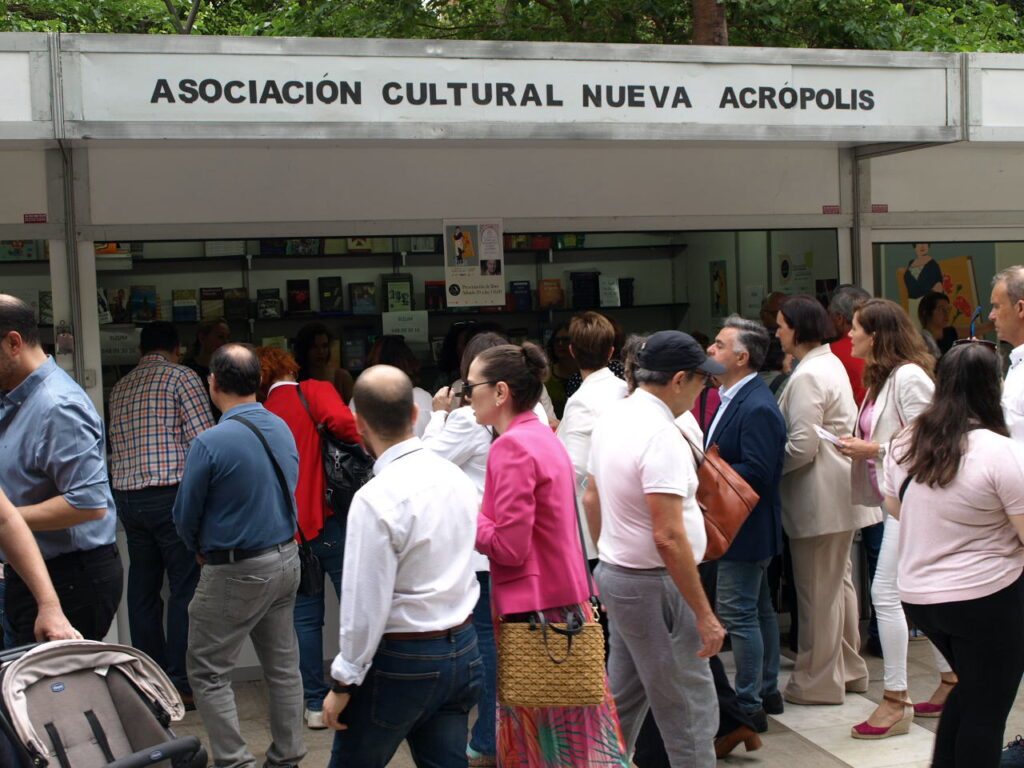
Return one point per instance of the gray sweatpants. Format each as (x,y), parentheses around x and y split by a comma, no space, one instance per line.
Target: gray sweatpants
(653,664)
(253,598)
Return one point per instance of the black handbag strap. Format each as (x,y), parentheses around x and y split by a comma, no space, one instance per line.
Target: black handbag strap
(305,404)
(904,486)
(288,497)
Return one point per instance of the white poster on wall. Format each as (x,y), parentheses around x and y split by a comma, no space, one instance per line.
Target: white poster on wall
(474,262)
(119,346)
(794,273)
(411,326)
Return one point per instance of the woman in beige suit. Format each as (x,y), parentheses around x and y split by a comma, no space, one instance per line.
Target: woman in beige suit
(817,513)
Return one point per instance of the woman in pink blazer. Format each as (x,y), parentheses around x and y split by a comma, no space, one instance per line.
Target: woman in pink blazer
(529,529)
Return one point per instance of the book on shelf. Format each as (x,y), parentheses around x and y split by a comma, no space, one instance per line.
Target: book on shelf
(273,246)
(211,303)
(353,353)
(45,307)
(434,291)
(609,291)
(277,342)
(184,305)
(396,289)
(117,303)
(142,304)
(215,248)
(298,296)
(268,303)
(362,298)
(303,246)
(19,250)
(332,298)
(550,293)
(236,304)
(522,295)
(103,308)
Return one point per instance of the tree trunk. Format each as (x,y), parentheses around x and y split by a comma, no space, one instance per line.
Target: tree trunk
(709,27)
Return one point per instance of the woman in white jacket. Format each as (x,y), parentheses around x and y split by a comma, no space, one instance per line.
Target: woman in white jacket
(899,384)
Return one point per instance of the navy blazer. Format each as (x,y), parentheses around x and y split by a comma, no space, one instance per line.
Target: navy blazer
(751,436)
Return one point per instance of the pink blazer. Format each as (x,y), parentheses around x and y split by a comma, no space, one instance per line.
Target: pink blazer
(527,524)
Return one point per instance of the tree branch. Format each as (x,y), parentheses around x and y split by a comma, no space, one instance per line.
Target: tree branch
(175,21)
(192,16)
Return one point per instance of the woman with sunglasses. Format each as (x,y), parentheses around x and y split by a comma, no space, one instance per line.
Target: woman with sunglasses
(955,481)
(817,513)
(453,433)
(899,386)
(529,529)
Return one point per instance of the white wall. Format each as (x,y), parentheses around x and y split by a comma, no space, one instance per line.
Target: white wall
(152,185)
(957,177)
(701,249)
(22,184)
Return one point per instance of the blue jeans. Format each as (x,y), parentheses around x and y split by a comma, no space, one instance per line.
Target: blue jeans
(417,690)
(871,538)
(745,607)
(154,547)
(329,546)
(483,738)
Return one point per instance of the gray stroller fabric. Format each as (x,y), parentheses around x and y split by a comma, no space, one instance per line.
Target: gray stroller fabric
(79,701)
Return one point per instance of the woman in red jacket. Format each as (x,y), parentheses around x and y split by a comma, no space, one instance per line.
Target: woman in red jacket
(324,531)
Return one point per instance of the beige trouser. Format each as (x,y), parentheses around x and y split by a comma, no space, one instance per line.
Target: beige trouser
(827,659)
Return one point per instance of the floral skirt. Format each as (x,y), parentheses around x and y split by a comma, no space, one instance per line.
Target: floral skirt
(561,737)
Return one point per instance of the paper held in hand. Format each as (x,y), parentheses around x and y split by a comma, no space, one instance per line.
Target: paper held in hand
(824,434)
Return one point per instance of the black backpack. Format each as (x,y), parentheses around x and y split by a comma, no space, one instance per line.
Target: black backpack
(347,467)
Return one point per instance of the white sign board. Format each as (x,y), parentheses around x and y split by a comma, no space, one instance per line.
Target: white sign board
(246,88)
(15,88)
(474,263)
(412,326)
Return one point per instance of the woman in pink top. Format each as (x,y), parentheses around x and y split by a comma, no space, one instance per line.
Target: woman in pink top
(529,529)
(955,480)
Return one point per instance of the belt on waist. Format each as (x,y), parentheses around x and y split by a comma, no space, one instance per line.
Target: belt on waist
(432,635)
(225,556)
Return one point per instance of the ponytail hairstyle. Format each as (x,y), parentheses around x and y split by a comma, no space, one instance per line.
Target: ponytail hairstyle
(523,369)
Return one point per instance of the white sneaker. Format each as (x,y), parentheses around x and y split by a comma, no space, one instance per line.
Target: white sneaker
(315,720)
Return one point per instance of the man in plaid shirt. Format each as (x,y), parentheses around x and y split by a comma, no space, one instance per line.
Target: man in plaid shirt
(155,412)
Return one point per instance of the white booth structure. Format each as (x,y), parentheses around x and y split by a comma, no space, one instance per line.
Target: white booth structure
(710,176)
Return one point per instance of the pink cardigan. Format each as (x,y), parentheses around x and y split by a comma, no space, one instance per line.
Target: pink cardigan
(527,524)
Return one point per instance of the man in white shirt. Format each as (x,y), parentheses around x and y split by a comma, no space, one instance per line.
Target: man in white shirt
(408,665)
(1008,315)
(591,343)
(641,506)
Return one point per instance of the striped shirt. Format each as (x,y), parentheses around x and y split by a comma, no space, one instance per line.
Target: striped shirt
(155,412)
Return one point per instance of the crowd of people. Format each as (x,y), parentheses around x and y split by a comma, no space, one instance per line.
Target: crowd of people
(531,482)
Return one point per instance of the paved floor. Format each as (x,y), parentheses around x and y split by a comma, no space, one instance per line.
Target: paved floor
(803,737)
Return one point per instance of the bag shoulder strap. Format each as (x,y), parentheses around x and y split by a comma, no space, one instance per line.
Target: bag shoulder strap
(305,404)
(904,486)
(288,497)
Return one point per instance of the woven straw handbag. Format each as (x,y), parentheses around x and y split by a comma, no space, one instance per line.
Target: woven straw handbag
(553,664)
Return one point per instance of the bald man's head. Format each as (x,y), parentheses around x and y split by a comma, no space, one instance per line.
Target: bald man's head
(236,369)
(383,399)
(16,315)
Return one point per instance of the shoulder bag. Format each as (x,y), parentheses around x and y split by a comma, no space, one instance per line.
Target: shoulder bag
(547,664)
(347,467)
(725,499)
(311,573)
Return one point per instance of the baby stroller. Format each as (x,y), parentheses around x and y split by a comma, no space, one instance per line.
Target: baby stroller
(84,704)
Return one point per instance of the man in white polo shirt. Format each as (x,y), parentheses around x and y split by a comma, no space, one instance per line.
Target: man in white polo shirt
(1008,315)
(641,507)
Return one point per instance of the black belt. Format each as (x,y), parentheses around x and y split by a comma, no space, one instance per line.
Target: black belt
(429,635)
(225,556)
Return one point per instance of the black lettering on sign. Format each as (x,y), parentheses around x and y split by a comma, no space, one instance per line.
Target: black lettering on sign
(551,100)
(766,97)
(188,91)
(806,96)
(457,89)
(162,90)
(210,90)
(681,97)
(788,98)
(636,95)
(728,98)
(271,93)
(392,93)
(416,97)
(350,92)
(482,97)
(327,91)
(229,92)
(616,97)
(531,96)
(287,92)
(436,100)
(591,96)
(748,97)
(505,91)
(867,100)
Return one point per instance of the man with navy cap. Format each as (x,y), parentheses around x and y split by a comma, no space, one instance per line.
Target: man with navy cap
(641,504)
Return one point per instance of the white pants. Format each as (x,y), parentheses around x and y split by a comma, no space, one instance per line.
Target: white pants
(892,623)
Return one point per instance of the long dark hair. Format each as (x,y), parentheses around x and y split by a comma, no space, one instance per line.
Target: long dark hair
(967,396)
(304,340)
(896,342)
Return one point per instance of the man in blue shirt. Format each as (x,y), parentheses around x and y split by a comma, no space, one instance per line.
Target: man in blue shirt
(53,470)
(232,512)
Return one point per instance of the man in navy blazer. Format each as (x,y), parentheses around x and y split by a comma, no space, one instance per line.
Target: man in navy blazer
(751,436)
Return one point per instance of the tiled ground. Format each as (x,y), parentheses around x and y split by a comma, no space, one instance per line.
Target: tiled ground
(803,737)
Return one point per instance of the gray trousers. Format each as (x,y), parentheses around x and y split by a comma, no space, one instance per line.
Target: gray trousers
(653,664)
(253,598)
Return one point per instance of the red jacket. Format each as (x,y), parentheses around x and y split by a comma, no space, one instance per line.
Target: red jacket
(843,349)
(327,407)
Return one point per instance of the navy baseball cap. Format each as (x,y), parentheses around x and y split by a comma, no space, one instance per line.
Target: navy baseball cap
(672,351)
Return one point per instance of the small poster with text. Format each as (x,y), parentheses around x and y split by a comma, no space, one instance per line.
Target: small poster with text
(474,262)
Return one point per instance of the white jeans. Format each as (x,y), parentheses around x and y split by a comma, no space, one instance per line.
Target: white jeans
(892,623)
